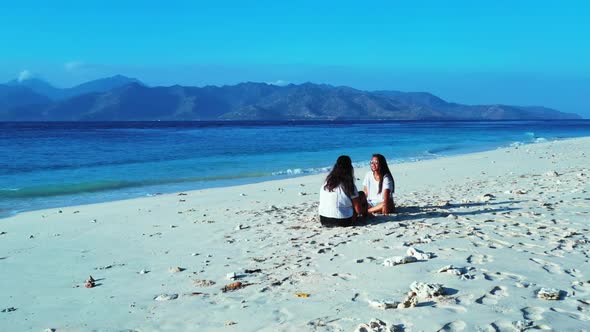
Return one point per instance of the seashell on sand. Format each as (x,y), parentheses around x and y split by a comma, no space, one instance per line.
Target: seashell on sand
(176,269)
(397,260)
(458,271)
(89,283)
(377,304)
(166,297)
(419,254)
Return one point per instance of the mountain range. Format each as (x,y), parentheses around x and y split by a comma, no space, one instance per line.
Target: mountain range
(121,98)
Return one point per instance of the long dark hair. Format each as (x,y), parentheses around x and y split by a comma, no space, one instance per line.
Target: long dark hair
(383,170)
(342,173)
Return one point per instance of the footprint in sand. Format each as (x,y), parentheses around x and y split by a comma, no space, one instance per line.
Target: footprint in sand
(454,305)
(466,299)
(532,313)
(574,273)
(583,305)
(516,326)
(455,326)
(493,296)
(345,276)
(573,315)
(282,315)
(499,276)
(325,322)
(581,287)
(479,259)
(550,267)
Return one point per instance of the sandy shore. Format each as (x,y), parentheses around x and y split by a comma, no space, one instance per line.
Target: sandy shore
(510,222)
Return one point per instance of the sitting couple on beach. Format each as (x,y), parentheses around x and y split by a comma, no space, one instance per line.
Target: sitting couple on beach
(341,204)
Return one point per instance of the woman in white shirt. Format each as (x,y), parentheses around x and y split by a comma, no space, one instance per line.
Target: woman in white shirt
(339,198)
(379,186)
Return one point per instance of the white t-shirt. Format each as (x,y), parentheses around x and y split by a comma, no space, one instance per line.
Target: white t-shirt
(373,187)
(335,204)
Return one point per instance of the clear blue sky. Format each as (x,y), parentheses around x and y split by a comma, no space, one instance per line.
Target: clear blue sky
(511,52)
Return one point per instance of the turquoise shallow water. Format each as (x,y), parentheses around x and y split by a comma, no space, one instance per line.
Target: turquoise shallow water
(46,165)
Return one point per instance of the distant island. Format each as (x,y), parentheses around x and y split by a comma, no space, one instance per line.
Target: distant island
(121,98)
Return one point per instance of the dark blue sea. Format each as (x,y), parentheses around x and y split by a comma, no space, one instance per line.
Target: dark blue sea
(53,164)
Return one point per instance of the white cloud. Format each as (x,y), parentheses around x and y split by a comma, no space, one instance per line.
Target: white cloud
(73,65)
(279,83)
(24,75)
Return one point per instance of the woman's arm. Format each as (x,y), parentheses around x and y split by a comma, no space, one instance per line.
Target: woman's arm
(386,202)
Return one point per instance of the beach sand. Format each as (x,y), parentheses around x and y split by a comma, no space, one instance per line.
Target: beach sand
(511,222)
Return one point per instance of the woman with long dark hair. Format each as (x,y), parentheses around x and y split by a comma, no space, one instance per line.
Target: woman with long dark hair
(340,204)
(379,186)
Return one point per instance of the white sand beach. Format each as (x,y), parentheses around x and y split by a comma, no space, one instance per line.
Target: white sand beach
(511,222)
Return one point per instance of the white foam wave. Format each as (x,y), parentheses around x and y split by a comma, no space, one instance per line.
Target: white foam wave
(300,171)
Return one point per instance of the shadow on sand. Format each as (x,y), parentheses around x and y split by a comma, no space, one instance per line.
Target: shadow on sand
(410,213)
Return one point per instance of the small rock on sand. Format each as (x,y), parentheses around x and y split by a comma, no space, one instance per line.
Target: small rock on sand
(232,287)
(426,290)
(203,283)
(375,325)
(487,197)
(552,174)
(549,294)
(410,301)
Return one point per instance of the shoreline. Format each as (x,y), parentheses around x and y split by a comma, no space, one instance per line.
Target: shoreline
(168,189)
(511,221)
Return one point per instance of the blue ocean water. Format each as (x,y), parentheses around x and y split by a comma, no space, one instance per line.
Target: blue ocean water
(46,165)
